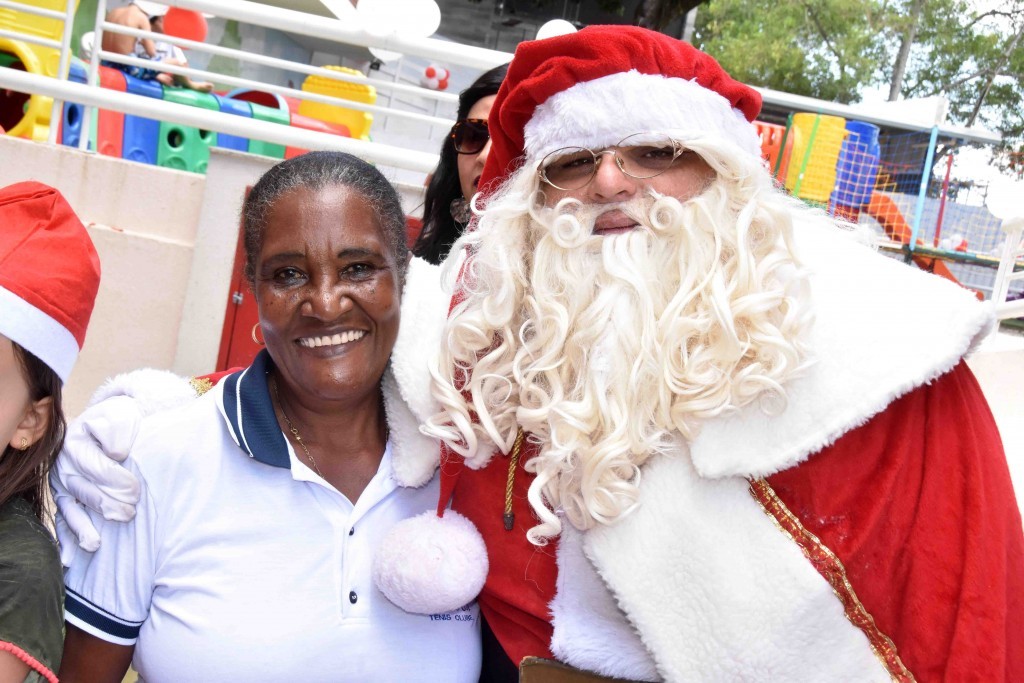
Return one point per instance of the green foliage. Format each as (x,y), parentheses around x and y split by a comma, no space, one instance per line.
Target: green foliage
(828,49)
(971,51)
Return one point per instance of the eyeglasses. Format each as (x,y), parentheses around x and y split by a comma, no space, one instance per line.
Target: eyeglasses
(640,156)
(470,135)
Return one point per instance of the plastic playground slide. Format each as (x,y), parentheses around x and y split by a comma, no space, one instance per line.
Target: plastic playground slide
(888,214)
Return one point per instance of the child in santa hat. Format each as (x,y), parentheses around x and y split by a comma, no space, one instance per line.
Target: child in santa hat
(49,275)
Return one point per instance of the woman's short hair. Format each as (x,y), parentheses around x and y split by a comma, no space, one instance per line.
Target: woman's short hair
(439,228)
(315,171)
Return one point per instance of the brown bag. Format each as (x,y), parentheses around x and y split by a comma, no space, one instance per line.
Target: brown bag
(538,670)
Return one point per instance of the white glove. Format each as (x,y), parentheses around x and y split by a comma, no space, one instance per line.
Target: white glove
(85,535)
(88,472)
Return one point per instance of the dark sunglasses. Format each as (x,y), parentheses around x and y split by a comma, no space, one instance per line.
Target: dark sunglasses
(470,135)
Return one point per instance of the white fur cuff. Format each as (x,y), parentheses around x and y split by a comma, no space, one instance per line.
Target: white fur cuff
(153,390)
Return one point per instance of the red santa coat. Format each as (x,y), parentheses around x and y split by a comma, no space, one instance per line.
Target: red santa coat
(869,532)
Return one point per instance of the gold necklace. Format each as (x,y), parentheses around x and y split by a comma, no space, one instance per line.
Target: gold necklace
(295,432)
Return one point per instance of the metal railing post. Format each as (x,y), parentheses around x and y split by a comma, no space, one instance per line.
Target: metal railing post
(57,110)
(93,78)
(926,176)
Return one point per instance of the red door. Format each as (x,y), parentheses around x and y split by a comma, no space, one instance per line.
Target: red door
(237,349)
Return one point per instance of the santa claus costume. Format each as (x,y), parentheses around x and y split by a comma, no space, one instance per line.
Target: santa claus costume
(867,530)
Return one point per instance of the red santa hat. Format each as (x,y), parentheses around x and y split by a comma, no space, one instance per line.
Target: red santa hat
(49,274)
(595,87)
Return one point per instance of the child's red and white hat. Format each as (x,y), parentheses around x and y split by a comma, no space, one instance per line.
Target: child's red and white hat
(49,275)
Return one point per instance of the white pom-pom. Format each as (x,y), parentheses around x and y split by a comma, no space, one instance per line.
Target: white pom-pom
(430,564)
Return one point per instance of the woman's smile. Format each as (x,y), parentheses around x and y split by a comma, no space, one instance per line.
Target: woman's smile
(335,340)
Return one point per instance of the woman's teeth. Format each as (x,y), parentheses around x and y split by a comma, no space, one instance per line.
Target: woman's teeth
(334,340)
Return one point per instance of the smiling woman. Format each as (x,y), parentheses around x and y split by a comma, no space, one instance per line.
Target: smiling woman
(327,277)
(264,501)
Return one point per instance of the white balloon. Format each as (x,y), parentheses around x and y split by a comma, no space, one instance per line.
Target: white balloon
(555,27)
(1005,198)
(413,18)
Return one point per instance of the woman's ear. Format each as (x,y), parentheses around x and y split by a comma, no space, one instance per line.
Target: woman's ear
(33,425)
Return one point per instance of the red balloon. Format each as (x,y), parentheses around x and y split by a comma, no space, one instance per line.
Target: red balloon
(442,84)
(430,72)
(183,23)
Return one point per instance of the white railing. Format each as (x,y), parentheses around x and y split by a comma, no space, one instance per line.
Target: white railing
(1013,251)
(399,157)
(349,32)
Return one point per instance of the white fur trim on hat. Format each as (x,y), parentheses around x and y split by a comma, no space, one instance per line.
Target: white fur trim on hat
(38,333)
(430,564)
(601,112)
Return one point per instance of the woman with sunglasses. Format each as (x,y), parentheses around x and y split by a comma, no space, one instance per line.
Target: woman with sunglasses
(446,208)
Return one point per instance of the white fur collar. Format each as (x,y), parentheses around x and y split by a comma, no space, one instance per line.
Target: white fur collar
(712,588)
(407,396)
(586,619)
(882,328)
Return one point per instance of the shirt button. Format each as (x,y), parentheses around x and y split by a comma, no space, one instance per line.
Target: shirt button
(351,531)
(352,597)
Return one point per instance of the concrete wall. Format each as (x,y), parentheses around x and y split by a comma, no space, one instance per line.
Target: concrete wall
(144,221)
(207,287)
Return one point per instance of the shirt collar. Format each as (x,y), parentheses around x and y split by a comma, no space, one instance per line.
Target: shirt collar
(249,413)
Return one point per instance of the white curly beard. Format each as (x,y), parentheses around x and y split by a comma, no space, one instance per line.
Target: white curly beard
(601,347)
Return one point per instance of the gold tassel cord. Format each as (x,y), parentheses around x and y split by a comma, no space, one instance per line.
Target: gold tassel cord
(509,517)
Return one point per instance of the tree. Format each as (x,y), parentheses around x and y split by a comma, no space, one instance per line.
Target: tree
(903,54)
(829,49)
(974,56)
(970,52)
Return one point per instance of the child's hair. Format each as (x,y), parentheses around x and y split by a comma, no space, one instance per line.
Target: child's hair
(25,473)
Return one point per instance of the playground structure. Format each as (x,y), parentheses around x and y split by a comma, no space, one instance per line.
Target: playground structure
(333,100)
(880,175)
(187,148)
(903,185)
(28,115)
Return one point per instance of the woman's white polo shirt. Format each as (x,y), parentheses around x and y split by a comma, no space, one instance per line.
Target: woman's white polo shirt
(242,564)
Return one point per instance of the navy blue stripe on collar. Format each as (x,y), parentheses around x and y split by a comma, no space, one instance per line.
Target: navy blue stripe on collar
(250,413)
